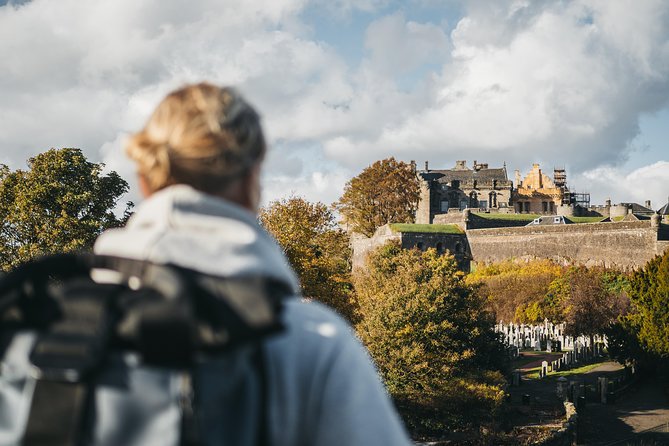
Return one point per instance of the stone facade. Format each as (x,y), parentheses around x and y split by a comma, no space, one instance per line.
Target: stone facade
(625,245)
(539,194)
(456,244)
(447,190)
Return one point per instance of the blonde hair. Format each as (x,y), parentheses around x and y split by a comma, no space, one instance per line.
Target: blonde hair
(201,135)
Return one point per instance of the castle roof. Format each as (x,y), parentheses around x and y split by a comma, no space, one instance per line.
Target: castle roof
(664,210)
(638,209)
(463,175)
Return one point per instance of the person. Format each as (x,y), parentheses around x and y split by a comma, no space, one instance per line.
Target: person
(199,161)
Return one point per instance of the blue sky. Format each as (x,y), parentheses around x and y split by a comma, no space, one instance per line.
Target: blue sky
(581,83)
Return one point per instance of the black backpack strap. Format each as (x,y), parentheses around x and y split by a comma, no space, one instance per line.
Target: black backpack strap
(63,358)
(190,426)
(56,414)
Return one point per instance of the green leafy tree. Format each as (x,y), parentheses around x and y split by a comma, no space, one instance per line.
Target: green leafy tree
(650,296)
(385,192)
(317,249)
(62,202)
(431,338)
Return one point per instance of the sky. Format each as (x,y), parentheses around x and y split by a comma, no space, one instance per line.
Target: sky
(580,84)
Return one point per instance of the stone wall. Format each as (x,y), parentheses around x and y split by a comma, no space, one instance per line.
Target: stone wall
(423,211)
(626,245)
(453,243)
(363,245)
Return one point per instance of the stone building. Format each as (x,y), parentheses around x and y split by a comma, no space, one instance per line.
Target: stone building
(664,212)
(537,193)
(452,190)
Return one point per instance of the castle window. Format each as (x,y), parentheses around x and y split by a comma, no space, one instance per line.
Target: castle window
(444,206)
(440,247)
(544,206)
(473,200)
(458,247)
(419,245)
(493,199)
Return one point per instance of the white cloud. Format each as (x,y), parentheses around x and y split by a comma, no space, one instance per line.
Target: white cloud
(521,81)
(645,183)
(320,185)
(398,46)
(560,82)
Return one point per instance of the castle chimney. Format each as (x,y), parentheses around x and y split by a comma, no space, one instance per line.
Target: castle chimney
(648,204)
(518,181)
(413,165)
(426,167)
(608,202)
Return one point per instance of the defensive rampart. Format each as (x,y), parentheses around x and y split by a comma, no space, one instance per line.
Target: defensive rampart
(454,243)
(625,245)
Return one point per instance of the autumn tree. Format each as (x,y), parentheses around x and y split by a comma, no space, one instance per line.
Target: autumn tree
(62,202)
(525,292)
(317,249)
(590,307)
(431,338)
(385,192)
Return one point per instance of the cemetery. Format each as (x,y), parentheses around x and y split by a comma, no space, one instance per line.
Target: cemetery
(555,375)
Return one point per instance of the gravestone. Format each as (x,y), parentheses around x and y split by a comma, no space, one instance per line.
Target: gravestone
(602,384)
(562,388)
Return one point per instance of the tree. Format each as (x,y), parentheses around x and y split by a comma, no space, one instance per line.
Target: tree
(650,296)
(525,292)
(317,249)
(61,203)
(431,339)
(385,192)
(591,307)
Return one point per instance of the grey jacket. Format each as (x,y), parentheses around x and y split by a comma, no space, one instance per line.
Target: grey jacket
(322,387)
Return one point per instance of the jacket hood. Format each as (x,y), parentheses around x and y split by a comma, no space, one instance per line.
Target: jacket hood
(183,226)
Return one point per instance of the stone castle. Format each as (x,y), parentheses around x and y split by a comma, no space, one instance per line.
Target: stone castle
(464,208)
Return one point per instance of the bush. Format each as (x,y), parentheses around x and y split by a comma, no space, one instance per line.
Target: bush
(431,338)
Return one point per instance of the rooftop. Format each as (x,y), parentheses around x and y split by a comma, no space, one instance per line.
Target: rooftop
(462,173)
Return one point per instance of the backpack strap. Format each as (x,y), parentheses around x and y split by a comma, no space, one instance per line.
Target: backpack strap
(63,359)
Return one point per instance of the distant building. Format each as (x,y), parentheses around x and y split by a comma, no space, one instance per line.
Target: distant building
(664,211)
(452,190)
(537,193)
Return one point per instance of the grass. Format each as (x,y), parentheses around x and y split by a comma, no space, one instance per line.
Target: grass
(618,218)
(534,372)
(529,217)
(586,219)
(584,369)
(435,229)
(516,217)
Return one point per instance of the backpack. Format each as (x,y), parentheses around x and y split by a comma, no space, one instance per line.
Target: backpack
(170,316)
